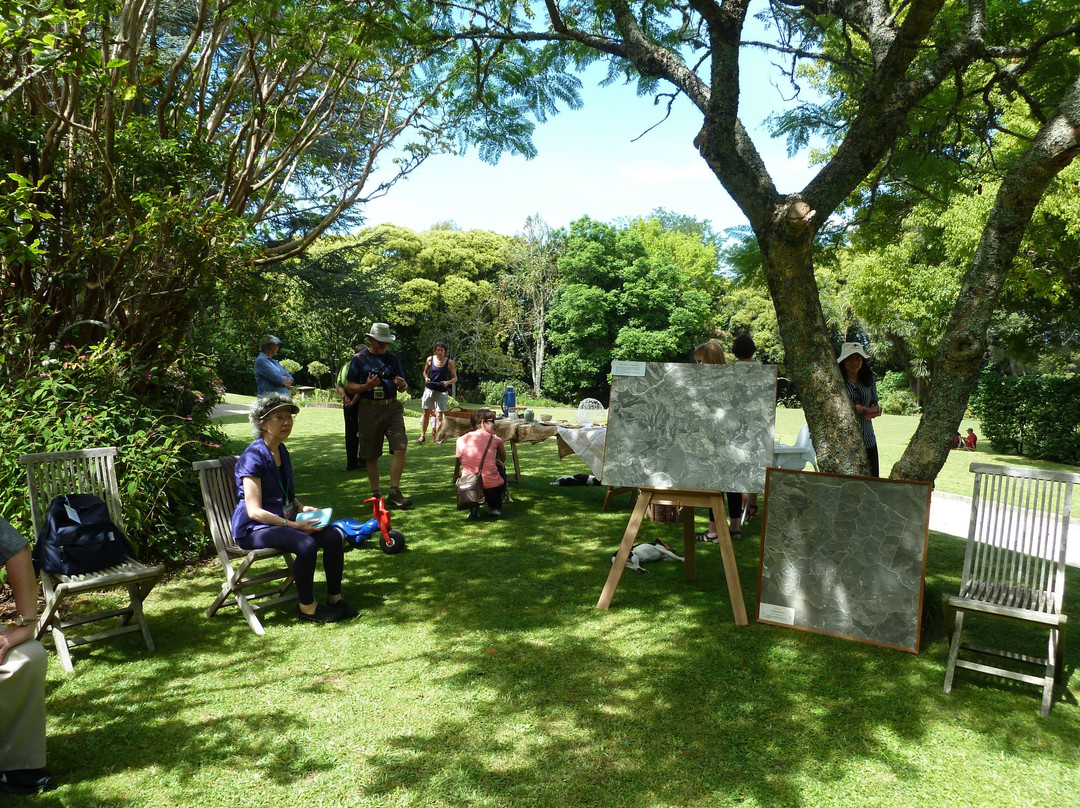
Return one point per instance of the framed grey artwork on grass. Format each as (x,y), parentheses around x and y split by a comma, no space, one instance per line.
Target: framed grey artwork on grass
(691,427)
(844,556)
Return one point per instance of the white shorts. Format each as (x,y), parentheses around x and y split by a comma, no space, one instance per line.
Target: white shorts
(434,400)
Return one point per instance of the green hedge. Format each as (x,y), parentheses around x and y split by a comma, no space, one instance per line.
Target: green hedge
(1036,416)
(895,396)
(490,392)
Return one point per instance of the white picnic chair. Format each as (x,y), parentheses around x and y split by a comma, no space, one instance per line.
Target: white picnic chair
(218,483)
(802,441)
(85,471)
(1014,569)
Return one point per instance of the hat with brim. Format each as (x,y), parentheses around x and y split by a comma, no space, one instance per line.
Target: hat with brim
(271,403)
(381,332)
(849,348)
(291,407)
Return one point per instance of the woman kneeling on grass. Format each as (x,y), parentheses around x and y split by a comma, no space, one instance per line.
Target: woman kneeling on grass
(483,443)
(265,514)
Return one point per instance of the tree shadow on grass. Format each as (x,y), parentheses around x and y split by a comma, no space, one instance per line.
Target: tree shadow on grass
(481,673)
(756,712)
(126,722)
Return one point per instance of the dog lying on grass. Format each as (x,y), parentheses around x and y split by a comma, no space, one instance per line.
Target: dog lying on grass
(577,479)
(644,553)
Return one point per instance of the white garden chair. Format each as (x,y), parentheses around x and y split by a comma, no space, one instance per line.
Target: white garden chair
(1014,569)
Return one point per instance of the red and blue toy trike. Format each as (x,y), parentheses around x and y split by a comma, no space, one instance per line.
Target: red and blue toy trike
(354,532)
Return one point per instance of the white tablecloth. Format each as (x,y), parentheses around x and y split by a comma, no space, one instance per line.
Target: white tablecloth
(588,444)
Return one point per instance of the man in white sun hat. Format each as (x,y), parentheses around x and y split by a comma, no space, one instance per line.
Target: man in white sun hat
(376,376)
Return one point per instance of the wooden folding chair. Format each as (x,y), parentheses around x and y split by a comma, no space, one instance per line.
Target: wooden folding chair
(218,483)
(1014,568)
(86,471)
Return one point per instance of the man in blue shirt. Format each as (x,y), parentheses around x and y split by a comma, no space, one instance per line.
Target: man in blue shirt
(376,376)
(270,376)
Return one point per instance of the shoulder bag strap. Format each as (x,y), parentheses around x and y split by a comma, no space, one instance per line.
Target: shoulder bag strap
(484,455)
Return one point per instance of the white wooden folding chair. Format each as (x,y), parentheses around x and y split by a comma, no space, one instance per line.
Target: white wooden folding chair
(218,483)
(803,441)
(85,471)
(1014,568)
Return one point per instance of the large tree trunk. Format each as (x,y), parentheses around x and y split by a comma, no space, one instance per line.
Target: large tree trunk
(785,243)
(960,355)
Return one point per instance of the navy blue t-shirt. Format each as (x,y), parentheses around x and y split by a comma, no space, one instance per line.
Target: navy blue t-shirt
(366,362)
(277,484)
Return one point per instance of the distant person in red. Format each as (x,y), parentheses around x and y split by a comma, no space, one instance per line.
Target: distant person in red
(970,440)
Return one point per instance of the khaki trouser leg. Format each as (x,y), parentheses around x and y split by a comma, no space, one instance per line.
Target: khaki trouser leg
(22,707)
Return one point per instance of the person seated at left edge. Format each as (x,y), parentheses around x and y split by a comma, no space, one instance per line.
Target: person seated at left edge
(22,676)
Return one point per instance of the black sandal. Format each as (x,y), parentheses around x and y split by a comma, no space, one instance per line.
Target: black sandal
(751,512)
(705,537)
(735,535)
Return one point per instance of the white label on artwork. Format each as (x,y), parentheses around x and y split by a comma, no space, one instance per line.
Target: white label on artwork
(776,614)
(620,367)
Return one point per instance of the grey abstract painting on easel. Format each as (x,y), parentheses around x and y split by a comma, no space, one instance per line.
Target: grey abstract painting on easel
(692,427)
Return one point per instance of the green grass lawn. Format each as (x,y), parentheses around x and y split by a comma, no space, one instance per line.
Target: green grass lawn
(480,673)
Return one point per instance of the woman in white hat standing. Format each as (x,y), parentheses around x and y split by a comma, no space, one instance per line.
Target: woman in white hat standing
(863,391)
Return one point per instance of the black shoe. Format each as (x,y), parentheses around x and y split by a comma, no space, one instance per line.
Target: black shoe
(25,781)
(323,614)
(347,611)
(474,513)
(398,500)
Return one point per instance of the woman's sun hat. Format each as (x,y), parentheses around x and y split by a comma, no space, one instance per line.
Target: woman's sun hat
(264,405)
(849,348)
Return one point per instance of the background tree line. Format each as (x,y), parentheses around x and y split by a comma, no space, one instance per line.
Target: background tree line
(549,309)
(652,288)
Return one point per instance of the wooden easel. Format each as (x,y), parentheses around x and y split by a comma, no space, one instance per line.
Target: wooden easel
(688,500)
(613,492)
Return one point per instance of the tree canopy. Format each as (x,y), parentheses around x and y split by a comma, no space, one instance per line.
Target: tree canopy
(902,84)
(155,151)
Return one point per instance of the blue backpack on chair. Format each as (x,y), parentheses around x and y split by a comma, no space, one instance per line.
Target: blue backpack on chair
(79,537)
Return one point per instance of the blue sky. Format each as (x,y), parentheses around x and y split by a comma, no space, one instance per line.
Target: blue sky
(589,164)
